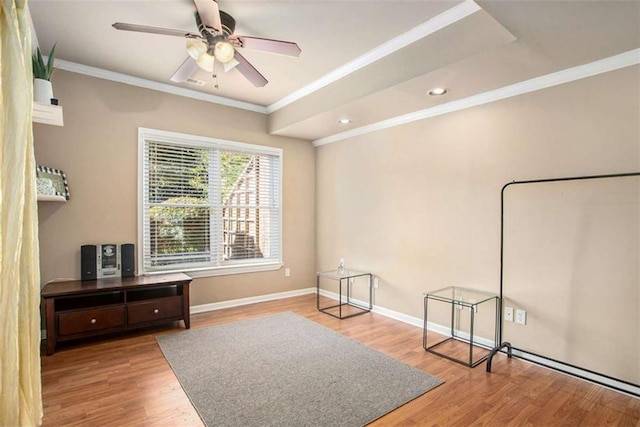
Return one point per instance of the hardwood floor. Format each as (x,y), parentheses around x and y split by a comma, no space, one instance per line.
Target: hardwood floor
(125,381)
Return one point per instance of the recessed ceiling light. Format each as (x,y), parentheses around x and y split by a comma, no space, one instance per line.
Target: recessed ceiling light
(344,121)
(437,91)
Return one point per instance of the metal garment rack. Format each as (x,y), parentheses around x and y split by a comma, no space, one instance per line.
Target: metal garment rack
(509,347)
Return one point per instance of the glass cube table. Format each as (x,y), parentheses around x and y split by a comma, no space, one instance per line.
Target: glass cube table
(347,306)
(460,300)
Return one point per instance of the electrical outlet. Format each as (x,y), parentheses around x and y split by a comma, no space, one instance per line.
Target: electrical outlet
(376,283)
(508,314)
(287,272)
(521,317)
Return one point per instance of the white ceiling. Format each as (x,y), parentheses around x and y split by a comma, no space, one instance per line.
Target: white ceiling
(366,60)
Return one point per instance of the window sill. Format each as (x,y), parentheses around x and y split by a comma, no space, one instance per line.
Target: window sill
(224,271)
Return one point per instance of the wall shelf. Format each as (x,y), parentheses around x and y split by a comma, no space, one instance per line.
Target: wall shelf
(49,198)
(47,114)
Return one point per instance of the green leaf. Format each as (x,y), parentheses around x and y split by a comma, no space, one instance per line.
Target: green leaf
(40,69)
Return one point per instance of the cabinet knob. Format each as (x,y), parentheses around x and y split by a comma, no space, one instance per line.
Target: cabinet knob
(156,311)
(93,321)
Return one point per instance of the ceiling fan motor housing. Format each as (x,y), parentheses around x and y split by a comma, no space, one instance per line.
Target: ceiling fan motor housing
(228,23)
(228,27)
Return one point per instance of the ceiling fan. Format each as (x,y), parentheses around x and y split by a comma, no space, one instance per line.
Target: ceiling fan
(217,42)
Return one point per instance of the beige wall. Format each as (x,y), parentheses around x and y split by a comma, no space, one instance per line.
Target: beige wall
(97,149)
(419,204)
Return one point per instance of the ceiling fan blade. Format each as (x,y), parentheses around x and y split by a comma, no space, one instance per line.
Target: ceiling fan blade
(153,30)
(209,14)
(188,67)
(249,71)
(267,45)
(230,65)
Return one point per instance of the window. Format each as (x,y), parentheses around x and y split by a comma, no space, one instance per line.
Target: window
(208,205)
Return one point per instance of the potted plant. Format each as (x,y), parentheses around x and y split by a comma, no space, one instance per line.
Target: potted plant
(42,90)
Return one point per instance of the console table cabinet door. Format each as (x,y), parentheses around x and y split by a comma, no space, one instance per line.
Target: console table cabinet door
(78,322)
(154,310)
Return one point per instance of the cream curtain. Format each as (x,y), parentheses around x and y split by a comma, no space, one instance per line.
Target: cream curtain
(20,386)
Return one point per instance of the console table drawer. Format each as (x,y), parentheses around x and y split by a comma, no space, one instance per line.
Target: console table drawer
(149,311)
(90,320)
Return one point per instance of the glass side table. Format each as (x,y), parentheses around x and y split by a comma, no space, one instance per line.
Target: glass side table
(347,306)
(461,299)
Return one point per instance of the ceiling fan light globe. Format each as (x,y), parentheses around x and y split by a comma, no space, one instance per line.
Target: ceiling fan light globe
(206,61)
(195,48)
(224,51)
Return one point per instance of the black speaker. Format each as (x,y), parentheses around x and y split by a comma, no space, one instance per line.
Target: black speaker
(88,262)
(128,259)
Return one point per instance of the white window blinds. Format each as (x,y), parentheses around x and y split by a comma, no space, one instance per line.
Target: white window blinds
(208,204)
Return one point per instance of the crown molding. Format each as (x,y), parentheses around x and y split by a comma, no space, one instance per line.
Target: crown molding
(611,63)
(161,87)
(434,24)
(438,22)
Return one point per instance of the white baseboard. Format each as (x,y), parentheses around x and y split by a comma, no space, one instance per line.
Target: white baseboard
(575,371)
(250,300)
(415,321)
(203,308)
(487,343)
(418,322)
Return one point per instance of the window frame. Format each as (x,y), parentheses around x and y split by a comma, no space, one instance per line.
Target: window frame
(176,138)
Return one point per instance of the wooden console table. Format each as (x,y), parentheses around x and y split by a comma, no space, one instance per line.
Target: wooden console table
(79,309)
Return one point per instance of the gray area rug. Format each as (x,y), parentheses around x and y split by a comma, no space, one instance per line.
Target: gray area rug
(285,370)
